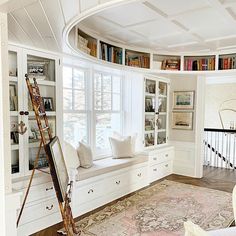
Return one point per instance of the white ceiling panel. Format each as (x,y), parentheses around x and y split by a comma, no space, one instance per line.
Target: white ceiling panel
(129,14)
(205,18)
(56,20)
(171,7)
(37,14)
(15,4)
(96,23)
(70,8)
(156,29)
(191,48)
(19,32)
(28,26)
(85,4)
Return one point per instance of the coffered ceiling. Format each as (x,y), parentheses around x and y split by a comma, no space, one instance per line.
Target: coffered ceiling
(169,25)
(160,25)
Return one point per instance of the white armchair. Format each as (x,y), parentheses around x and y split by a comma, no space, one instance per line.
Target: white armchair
(192,229)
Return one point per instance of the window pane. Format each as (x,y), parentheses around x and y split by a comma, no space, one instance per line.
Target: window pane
(67,99)
(106,83)
(79,82)
(75,128)
(79,100)
(116,84)
(97,82)
(116,102)
(67,77)
(106,105)
(105,125)
(98,101)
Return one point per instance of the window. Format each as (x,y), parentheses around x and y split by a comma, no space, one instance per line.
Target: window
(92,107)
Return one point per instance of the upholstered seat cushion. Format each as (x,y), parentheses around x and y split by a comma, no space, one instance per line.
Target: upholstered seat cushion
(231,231)
(107,165)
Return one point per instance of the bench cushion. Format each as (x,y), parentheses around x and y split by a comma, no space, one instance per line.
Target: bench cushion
(107,165)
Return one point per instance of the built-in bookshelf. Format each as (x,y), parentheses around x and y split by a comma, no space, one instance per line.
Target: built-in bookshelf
(24,145)
(166,62)
(110,53)
(86,43)
(155,112)
(137,59)
(199,63)
(227,62)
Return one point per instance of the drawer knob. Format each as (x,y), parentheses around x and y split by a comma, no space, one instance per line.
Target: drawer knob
(154,158)
(167,155)
(48,189)
(90,191)
(49,208)
(118,182)
(155,169)
(139,174)
(166,165)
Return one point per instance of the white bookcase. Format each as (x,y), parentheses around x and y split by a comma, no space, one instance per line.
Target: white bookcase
(156,94)
(44,67)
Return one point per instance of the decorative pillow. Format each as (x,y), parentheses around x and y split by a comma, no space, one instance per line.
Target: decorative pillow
(192,229)
(117,135)
(71,157)
(85,155)
(121,148)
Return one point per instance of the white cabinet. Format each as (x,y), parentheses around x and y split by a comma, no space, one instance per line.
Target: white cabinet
(156,93)
(45,68)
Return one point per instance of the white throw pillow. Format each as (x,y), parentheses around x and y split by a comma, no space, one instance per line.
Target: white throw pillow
(121,148)
(117,135)
(192,229)
(85,155)
(71,157)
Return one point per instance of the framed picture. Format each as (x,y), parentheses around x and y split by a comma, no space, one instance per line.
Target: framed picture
(149,123)
(13,97)
(150,86)
(48,103)
(183,100)
(149,104)
(182,120)
(58,169)
(36,68)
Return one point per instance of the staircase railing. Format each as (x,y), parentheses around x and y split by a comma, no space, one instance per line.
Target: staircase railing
(220,148)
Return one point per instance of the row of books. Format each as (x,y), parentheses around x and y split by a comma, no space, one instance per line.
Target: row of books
(226,63)
(110,53)
(87,46)
(200,64)
(170,64)
(141,61)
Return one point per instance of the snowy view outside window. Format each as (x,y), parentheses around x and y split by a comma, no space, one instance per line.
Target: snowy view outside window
(91,113)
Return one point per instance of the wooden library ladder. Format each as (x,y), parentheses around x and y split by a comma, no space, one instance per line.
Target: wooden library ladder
(46,137)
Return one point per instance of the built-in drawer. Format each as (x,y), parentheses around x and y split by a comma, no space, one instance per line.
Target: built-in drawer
(41,191)
(138,175)
(39,210)
(161,157)
(89,192)
(160,170)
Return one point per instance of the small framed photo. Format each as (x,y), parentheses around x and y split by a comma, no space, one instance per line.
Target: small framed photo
(150,86)
(149,104)
(36,68)
(48,103)
(182,120)
(13,97)
(183,100)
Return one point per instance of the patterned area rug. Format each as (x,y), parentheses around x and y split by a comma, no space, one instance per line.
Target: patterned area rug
(160,210)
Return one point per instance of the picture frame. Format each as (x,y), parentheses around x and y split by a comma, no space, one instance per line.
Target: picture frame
(48,103)
(13,97)
(183,100)
(182,120)
(58,168)
(149,104)
(36,68)
(150,86)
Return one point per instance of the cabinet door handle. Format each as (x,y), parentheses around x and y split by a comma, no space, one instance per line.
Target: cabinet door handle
(166,165)
(154,158)
(90,191)
(139,174)
(49,208)
(155,169)
(118,182)
(48,189)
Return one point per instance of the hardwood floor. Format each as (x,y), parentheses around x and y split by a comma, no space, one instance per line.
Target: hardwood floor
(215,178)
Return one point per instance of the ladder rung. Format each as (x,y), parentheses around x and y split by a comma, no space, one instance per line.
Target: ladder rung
(42,114)
(45,129)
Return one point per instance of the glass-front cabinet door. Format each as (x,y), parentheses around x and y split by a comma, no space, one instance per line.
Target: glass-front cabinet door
(155,112)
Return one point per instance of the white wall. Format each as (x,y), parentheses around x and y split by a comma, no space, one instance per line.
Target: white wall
(216,94)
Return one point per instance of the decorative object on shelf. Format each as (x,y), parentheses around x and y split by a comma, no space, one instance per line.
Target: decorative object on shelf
(183,100)
(149,123)
(149,140)
(14,137)
(38,69)
(13,97)
(149,104)
(162,89)
(170,64)
(150,86)
(182,120)
(48,103)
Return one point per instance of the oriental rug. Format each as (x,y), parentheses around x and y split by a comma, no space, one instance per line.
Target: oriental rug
(160,210)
